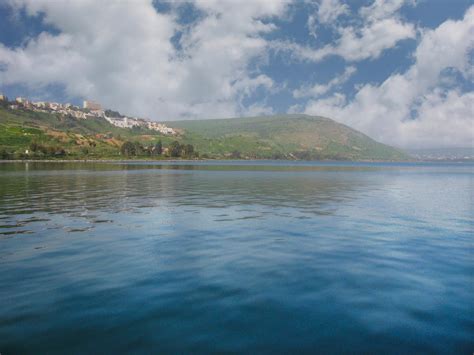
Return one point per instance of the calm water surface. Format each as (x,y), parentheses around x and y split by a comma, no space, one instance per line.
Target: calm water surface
(236,257)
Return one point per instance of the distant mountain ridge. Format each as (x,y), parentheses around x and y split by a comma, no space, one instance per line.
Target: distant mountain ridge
(443,154)
(265,137)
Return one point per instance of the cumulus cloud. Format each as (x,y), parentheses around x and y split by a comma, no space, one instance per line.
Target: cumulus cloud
(371,40)
(327,11)
(378,29)
(382,9)
(414,109)
(445,119)
(164,66)
(330,10)
(122,54)
(320,89)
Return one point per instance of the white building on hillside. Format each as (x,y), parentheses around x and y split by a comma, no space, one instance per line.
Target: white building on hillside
(41,104)
(55,106)
(91,105)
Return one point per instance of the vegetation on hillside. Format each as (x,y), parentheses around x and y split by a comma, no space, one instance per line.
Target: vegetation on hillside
(283,137)
(26,134)
(29,134)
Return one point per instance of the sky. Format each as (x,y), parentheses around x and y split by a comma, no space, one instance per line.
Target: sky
(400,71)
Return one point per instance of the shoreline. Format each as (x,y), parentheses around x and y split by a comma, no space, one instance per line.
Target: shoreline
(94,160)
(5,161)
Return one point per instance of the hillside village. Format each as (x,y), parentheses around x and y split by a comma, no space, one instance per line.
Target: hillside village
(90,109)
(41,130)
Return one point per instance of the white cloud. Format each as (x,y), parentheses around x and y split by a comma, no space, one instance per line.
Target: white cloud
(371,40)
(413,109)
(378,29)
(382,9)
(330,10)
(444,119)
(259,109)
(320,89)
(326,13)
(121,53)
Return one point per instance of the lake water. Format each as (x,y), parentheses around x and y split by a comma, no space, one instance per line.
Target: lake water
(236,257)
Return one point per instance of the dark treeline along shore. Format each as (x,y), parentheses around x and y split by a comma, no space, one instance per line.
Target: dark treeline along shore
(28,134)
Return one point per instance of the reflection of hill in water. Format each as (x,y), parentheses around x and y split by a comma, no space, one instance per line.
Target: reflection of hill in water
(83,190)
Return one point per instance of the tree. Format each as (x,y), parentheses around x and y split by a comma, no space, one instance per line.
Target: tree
(278,155)
(188,150)
(4,154)
(34,147)
(139,149)
(4,103)
(158,148)
(235,154)
(174,149)
(128,149)
(110,113)
(60,152)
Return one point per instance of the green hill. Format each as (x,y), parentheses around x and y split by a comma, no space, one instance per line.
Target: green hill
(65,136)
(283,136)
(267,137)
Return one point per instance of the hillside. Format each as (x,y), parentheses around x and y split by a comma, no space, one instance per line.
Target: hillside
(283,136)
(79,138)
(268,137)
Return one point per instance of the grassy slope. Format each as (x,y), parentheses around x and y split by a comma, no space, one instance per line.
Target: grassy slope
(262,137)
(18,129)
(283,136)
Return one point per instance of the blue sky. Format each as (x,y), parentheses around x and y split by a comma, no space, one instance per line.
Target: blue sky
(398,70)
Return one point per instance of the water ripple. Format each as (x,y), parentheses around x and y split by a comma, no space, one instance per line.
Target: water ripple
(204,258)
